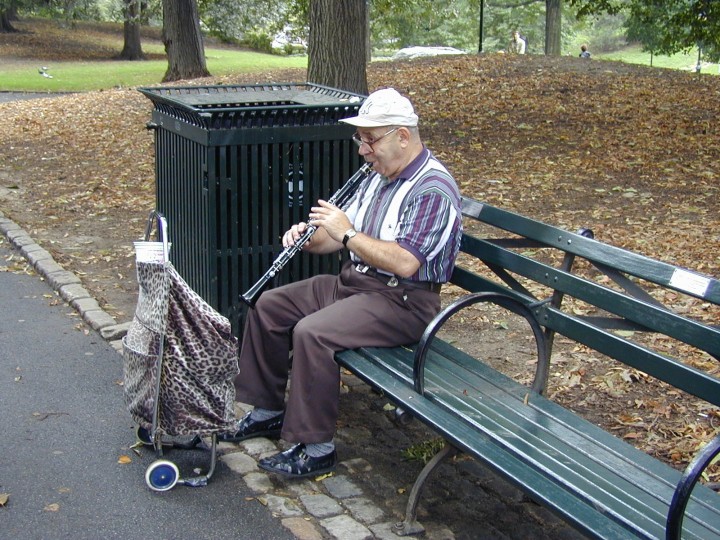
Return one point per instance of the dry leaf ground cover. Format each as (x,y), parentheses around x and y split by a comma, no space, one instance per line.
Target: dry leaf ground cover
(630,152)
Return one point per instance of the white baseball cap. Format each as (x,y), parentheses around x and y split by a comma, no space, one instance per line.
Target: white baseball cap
(384,107)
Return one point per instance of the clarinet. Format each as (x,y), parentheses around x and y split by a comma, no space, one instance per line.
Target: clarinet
(339,198)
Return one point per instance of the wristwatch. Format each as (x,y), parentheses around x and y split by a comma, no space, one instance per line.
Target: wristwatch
(350,233)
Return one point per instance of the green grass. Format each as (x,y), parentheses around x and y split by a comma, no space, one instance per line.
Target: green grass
(79,76)
(634,55)
(84,76)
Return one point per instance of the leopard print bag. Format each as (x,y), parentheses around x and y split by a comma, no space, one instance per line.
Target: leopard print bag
(198,353)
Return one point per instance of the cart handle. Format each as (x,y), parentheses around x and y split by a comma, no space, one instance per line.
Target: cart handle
(159,220)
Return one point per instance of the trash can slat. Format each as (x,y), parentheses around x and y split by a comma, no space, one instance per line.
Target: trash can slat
(235,166)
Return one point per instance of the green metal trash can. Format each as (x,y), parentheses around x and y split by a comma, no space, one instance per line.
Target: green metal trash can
(235,167)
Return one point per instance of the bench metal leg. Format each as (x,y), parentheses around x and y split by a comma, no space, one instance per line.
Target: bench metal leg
(501,299)
(402,417)
(687,482)
(411,525)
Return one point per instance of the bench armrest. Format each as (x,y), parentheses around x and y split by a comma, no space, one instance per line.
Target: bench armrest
(685,486)
(500,299)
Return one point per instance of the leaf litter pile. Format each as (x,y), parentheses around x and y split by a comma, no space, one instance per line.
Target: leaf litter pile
(631,152)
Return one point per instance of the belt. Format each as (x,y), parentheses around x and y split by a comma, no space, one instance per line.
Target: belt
(393,281)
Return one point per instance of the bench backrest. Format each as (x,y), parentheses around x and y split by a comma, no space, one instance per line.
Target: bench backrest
(561,275)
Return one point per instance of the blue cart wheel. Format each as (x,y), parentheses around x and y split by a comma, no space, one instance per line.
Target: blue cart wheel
(143,435)
(162,475)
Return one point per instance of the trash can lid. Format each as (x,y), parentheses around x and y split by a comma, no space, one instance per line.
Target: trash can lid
(226,97)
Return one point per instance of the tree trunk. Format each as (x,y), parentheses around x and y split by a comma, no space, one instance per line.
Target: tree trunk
(337,48)
(183,41)
(5,26)
(553,26)
(132,48)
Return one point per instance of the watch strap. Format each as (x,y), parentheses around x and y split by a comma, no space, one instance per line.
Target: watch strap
(350,233)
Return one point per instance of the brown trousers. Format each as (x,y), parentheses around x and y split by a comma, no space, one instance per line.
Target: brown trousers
(315,318)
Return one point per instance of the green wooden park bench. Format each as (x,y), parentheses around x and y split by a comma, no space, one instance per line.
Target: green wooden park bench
(597,482)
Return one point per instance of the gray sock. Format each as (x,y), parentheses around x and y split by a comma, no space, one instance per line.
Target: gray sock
(319,449)
(260,415)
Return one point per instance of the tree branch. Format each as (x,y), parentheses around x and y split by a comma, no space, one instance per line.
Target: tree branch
(521,3)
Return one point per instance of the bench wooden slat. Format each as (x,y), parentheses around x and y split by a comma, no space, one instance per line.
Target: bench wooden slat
(617,303)
(547,435)
(618,258)
(685,377)
(542,436)
(624,481)
(694,381)
(533,483)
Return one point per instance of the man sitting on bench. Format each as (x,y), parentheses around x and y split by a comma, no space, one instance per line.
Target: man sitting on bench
(403,229)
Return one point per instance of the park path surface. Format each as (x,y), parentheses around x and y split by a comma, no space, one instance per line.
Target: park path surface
(66,460)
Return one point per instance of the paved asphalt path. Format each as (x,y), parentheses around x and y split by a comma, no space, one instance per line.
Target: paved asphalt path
(15,96)
(64,426)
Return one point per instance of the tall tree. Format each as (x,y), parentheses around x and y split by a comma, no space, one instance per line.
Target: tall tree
(223,19)
(646,30)
(337,44)
(424,22)
(8,12)
(553,20)
(132,47)
(183,41)
(681,24)
(553,27)
(5,24)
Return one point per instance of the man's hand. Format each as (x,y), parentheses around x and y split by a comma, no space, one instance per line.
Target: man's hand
(293,233)
(331,218)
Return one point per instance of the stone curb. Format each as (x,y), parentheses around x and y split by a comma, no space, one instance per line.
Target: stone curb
(329,508)
(325,507)
(66,284)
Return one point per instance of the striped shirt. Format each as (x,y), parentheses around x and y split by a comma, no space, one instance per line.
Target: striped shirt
(420,210)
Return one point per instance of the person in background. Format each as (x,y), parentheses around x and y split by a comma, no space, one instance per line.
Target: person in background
(584,53)
(517,44)
(402,229)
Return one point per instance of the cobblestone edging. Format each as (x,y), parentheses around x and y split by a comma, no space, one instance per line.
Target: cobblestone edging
(65,283)
(328,507)
(331,508)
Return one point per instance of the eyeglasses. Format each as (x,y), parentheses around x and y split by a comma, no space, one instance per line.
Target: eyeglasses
(360,142)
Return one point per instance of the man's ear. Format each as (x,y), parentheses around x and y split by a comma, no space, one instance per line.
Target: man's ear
(405,136)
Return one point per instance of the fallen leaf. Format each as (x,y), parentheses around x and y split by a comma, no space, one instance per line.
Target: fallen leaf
(4,497)
(124,460)
(40,416)
(54,507)
(621,148)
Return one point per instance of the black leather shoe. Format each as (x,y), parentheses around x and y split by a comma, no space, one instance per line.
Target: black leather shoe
(247,428)
(295,463)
